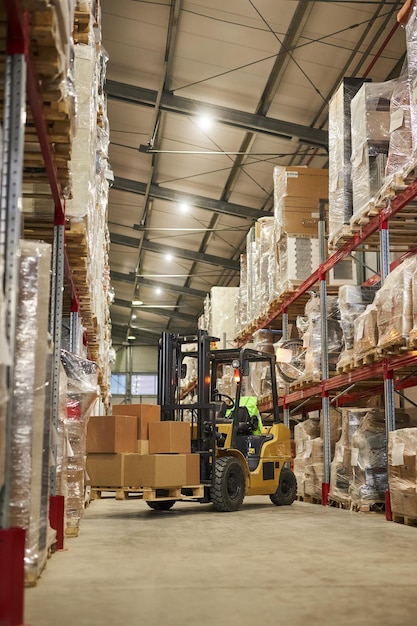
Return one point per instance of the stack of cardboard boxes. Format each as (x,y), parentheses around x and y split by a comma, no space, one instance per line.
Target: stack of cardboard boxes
(133,449)
(402,471)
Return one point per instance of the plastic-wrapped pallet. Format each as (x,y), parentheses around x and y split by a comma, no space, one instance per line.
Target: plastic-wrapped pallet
(82,392)
(394,305)
(242,299)
(265,227)
(370,140)
(4,361)
(221,314)
(298,258)
(304,433)
(411,41)
(297,194)
(30,434)
(341,467)
(340,149)
(365,335)
(413,331)
(400,138)
(352,303)
(369,458)
(402,471)
(252,266)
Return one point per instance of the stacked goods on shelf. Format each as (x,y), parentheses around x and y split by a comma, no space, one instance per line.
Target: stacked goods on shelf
(370,119)
(340,149)
(309,459)
(369,459)
(82,391)
(136,450)
(31,405)
(283,250)
(341,472)
(400,140)
(413,331)
(386,323)
(309,327)
(219,314)
(4,361)
(88,237)
(402,472)
(411,41)
(352,303)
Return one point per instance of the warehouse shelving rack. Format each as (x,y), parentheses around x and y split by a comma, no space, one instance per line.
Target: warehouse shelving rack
(21,85)
(377,377)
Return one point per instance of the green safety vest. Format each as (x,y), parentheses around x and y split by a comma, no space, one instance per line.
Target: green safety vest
(251,403)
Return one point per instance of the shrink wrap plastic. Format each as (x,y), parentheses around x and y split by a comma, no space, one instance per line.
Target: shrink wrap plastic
(400,142)
(305,434)
(341,468)
(267,262)
(340,149)
(369,458)
(82,392)
(242,318)
(219,314)
(411,41)
(310,329)
(370,124)
(30,428)
(402,471)
(298,258)
(413,331)
(352,303)
(394,305)
(4,360)
(365,332)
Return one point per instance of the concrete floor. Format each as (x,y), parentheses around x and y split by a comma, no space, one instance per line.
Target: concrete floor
(303,565)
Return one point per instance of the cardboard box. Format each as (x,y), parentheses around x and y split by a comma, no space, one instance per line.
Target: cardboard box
(142,446)
(145,413)
(404,502)
(132,470)
(163,470)
(192,469)
(169,437)
(111,433)
(106,470)
(405,472)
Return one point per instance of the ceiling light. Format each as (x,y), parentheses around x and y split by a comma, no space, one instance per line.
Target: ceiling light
(136,302)
(131,337)
(168,257)
(185,207)
(158,290)
(133,316)
(205,122)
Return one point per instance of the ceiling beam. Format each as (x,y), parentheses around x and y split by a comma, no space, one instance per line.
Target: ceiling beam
(184,317)
(181,253)
(146,282)
(249,122)
(162,193)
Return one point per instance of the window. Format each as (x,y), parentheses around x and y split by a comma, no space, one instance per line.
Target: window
(118,384)
(144,384)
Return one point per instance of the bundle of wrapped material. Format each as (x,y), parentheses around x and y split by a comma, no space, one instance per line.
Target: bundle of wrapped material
(30,428)
(341,468)
(413,331)
(297,195)
(400,139)
(340,149)
(370,125)
(265,235)
(252,266)
(369,458)
(219,313)
(352,303)
(365,333)
(304,434)
(402,471)
(242,318)
(298,257)
(82,392)
(311,335)
(394,305)
(411,42)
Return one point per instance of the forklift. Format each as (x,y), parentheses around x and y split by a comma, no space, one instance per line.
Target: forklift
(239,454)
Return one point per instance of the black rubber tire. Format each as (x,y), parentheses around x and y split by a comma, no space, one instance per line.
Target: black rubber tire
(228,490)
(291,372)
(287,489)
(161,505)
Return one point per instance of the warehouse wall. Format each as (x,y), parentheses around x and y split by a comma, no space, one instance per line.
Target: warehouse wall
(144,359)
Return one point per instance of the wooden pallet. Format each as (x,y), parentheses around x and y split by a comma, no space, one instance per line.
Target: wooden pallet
(190,492)
(309,499)
(339,504)
(366,359)
(120,493)
(399,347)
(404,519)
(367,507)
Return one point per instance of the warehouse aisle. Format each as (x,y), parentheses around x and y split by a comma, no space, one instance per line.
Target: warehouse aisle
(293,566)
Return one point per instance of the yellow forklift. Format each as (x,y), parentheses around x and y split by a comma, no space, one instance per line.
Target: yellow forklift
(240,455)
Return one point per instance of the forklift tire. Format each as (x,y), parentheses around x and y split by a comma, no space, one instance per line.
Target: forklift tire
(161,505)
(287,489)
(229,486)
